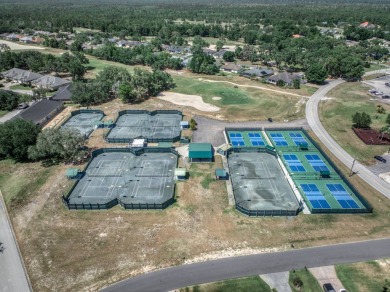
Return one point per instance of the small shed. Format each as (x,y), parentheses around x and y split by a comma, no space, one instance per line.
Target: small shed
(138,143)
(180,174)
(221,174)
(224,149)
(200,152)
(184,124)
(72,173)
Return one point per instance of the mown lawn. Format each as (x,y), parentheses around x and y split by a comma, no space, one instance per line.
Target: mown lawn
(336,116)
(241,103)
(254,284)
(368,276)
(374,67)
(20,87)
(310,283)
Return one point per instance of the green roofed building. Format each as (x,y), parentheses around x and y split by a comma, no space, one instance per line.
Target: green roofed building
(220,174)
(200,152)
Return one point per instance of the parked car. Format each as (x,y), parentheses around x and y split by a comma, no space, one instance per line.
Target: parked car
(328,287)
(387,84)
(270,120)
(23,105)
(380,158)
(385,96)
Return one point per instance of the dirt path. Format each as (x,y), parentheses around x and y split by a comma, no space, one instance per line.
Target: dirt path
(194,101)
(15,46)
(252,86)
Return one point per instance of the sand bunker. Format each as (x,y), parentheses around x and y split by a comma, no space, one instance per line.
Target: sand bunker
(194,101)
(217,98)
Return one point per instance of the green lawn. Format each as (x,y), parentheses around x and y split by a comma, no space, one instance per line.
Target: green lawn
(374,67)
(336,116)
(252,284)
(368,276)
(20,87)
(310,284)
(3,113)
(241,103)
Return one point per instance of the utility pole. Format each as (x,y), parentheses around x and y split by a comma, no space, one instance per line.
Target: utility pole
(351,172)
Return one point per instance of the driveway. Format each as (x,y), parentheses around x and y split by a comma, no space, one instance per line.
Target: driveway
(242,266)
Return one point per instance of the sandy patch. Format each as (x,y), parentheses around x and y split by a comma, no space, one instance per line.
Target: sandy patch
(217,98)
(385,176)
(194,101)
(19,47)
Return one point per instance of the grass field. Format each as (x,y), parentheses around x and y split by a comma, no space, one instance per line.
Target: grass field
(374,67)
(310,283)
(111,245)
(241,103)
(367,276)
(254,284)
(336,116)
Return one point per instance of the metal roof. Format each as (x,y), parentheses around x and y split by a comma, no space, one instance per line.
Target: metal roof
(220,172)
(180,172)
(200,150)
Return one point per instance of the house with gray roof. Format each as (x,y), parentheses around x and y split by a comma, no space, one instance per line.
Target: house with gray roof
(50,82)
(64,93)
(20,75)
(286,77)
(231,67)
(257,73)
(26,39)
(12,37)
(41,112)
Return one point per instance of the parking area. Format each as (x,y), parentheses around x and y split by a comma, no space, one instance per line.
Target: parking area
(381,87)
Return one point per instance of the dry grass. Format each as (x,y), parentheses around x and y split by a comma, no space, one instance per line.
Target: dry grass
(79,250)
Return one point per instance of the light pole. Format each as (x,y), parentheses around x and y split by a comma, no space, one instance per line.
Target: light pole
(351,172)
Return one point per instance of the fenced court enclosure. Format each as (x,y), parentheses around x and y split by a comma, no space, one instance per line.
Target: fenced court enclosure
(320,183)
(245,138)
(134,178)
(155,126)
(84,121)
(259,185)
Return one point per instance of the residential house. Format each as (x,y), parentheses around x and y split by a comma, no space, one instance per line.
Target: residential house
(26,39)
(20,75)
(286,77)
(231,67)
(50,82)
(122,43)
(219,54)
(64,93)
(209,51)
(257,73)
(367,25)
(12,37)
(41,112)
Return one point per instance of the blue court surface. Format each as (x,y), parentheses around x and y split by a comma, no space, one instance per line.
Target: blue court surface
(342,196)
(298,139)
(256,139)
(278,139)
(314,196)
(316,162)
(293,162)
(236,139)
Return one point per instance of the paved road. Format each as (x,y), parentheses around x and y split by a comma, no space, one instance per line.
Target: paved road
(12,275)
(210,271)
(313,119)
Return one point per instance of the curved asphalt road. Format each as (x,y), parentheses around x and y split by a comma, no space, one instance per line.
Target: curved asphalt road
(227,268)
(313,119)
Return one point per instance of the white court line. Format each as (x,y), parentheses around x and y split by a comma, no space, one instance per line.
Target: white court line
(273,184)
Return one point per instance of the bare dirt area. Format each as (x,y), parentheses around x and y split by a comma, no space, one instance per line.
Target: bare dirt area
(194,101)
(20,47)
(86,250)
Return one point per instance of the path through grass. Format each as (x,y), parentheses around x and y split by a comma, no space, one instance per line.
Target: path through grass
(308,281)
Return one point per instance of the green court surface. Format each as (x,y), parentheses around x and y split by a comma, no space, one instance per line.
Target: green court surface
(291,139)
(316,177)
(84,122)
(245,138)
